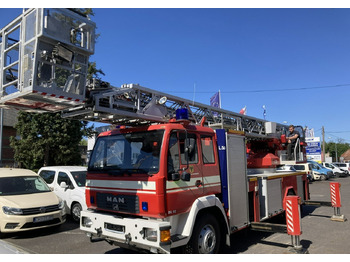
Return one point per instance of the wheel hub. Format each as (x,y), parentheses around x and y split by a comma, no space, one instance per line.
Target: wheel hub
(207,240)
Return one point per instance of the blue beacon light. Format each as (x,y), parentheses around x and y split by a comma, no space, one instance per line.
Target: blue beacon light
(182,114)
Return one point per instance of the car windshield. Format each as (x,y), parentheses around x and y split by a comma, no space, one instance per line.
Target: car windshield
(79,177)
(21,185)
(136,152)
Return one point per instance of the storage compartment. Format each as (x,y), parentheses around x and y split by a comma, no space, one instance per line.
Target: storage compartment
(270,127)
(270,195)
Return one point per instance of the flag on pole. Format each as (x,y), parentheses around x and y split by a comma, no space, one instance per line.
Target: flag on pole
(264,113)
(243,111)
(215,100)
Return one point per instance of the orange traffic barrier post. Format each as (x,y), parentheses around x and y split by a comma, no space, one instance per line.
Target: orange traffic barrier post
(293,221)
(336,202)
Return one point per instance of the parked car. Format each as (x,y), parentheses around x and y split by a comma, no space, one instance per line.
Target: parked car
(286,168)
(343,166)
(318,168)
(68,182)
(336,170)
(316,171)
(26,202)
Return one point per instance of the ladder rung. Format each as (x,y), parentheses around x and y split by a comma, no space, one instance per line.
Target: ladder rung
(13,29)
(10,84)
(11,47)
(11,65)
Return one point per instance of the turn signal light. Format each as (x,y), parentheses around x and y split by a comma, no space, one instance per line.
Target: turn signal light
(165,235)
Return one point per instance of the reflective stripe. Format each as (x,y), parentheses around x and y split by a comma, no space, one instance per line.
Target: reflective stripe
(136,185)
(176,186)
(122,191)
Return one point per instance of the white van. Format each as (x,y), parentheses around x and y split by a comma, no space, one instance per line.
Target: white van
(68,183)
(336,170)
(343,166)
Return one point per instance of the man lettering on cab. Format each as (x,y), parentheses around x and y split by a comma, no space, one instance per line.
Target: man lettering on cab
(292,139)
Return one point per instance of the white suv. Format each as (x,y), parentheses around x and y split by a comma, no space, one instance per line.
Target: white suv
(68,182)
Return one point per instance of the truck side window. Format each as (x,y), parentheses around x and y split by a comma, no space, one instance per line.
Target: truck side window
(48,176)
(191,144)
(63,177)
(173,155)
(207,149)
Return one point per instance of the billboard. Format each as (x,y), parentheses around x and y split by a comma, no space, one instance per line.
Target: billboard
(313,149)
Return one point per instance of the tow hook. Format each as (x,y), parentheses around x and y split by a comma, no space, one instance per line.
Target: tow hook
(127,238)
(98,231)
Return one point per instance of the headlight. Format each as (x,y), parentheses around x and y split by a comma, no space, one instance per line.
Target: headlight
(86,222)
(12,210)
(61,204)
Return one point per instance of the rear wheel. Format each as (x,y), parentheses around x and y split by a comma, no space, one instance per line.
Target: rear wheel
(206,237)
(76,209)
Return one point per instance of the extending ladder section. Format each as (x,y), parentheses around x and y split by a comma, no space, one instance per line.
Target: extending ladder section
(134,105)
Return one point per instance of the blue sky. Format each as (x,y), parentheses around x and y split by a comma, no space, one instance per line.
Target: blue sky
(294,61)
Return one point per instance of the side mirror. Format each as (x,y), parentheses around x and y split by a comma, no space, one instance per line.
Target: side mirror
(175,177)
(185,176)
(63,185)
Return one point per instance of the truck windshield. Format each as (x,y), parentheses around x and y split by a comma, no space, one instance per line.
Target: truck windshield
(136,152)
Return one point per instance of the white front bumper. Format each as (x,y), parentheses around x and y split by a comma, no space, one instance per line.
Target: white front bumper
(126,232)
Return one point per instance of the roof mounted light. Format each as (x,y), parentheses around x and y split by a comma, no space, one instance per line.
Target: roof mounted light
(182,114)
(162,100)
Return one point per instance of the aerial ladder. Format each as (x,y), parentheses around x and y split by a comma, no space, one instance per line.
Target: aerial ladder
(43,68)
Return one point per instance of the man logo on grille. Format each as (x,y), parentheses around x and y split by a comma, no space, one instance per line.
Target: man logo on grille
(42,210)
(115,207)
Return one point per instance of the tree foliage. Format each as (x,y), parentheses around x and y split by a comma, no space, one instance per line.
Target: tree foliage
(340,147)
(48,139)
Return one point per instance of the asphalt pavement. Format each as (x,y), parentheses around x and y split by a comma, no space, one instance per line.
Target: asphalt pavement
(320,235)
(7,248)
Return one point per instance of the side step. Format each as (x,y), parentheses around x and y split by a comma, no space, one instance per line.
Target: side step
(318,203)
(268,227)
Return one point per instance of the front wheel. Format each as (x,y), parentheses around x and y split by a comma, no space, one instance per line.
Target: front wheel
(206,237)
(76,209)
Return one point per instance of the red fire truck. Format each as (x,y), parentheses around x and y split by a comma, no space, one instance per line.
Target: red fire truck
(173,173)
(177,184)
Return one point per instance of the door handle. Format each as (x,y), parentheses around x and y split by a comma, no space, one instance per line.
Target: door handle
(199,183)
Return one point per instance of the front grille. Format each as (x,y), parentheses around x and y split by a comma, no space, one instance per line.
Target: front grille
(122,203)
(40,224)
(40,210)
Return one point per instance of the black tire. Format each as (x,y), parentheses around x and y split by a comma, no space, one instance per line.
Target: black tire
(75,211)
(323,177)
(206,236)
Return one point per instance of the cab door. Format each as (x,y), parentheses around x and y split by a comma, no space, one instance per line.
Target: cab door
(185,181)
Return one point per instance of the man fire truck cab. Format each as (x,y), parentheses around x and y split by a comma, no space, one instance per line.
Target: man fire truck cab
(156,182)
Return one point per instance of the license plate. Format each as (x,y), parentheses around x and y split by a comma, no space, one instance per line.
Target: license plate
(42,219)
